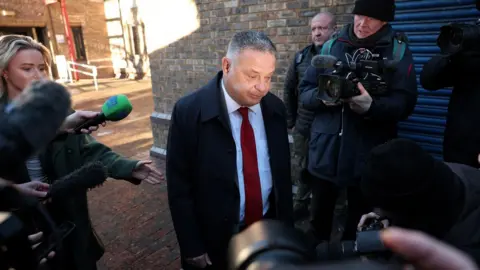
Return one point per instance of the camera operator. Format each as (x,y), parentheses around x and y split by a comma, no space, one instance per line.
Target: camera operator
(343,132)
(458,66)
(415,191)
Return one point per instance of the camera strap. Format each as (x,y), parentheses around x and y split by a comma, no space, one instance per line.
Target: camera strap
(399,47)
(327,46)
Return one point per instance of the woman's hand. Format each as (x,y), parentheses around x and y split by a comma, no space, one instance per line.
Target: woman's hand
(33,188)
(145,171)
(77,118)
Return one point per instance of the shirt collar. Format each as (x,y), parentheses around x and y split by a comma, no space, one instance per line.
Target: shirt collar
(233,106)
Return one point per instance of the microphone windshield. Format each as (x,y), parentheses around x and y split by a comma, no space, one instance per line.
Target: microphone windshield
(324,61)
(81,180)
(39,111)
(116,108)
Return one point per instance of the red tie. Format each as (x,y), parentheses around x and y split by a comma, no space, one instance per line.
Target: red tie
(251,177)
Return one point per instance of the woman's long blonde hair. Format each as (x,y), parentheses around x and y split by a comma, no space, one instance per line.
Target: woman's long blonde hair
(9,47)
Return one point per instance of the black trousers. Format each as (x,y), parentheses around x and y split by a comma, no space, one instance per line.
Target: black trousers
(324,197)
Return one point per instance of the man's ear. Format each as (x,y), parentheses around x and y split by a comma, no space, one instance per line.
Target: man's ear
(226,66)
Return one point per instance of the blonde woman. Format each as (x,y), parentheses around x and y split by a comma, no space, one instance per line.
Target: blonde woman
(23,60)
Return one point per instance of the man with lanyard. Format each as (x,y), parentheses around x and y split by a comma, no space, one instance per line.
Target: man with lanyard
(299,118)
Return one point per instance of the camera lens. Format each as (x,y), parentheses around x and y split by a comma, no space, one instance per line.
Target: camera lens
(333,89)
(268,243)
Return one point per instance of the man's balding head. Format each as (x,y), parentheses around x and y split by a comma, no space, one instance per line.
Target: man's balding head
(323,25)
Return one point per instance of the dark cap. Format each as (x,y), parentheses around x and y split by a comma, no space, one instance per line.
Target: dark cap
(383,10)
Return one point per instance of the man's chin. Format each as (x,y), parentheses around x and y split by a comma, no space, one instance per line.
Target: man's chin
(253,101)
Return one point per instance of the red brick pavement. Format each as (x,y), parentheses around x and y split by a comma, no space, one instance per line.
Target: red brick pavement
(135,225)
(133,221)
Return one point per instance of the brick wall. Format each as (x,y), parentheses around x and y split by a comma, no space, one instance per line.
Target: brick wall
(89,14)
(192,61)
(28,13)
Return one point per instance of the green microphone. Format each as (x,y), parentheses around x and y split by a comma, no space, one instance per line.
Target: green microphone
(114,109)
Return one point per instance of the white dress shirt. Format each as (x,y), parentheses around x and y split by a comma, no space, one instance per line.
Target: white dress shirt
(256,121)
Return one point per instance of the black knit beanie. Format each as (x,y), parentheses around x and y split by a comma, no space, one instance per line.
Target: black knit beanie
(400,176)
(383,10)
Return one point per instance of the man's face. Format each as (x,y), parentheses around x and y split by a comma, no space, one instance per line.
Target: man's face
(248,76)
(321,29)
(364,26)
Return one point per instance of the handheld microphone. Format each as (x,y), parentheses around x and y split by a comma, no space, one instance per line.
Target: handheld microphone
(114,109)
(83,179)
(324,61)
(31,121)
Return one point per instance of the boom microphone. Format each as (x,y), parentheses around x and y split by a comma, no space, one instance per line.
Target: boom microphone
(324,61)
(31,121)
(114,109)
(83,179)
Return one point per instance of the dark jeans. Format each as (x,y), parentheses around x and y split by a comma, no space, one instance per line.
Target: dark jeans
(324,198)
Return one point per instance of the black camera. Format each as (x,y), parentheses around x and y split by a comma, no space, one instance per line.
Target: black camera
(15,247)
(457,37)
(270,244)
(367,244)
(342,82)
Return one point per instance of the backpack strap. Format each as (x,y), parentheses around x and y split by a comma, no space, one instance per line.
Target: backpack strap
(327,46)
(399,46)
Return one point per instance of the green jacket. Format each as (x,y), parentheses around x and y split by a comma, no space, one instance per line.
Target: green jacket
(62,156)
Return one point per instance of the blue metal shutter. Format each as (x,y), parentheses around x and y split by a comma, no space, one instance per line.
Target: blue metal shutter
(421,21)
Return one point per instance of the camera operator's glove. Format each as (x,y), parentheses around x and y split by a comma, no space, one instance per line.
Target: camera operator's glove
(365,219)
(361,103)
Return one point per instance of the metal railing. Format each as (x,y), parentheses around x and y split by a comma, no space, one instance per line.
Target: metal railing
(71,66)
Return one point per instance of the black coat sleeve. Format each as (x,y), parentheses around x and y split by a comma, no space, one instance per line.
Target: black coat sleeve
(290,93)
(285,202)
(437,73)
(402,94)
(179,171)
(308,90)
